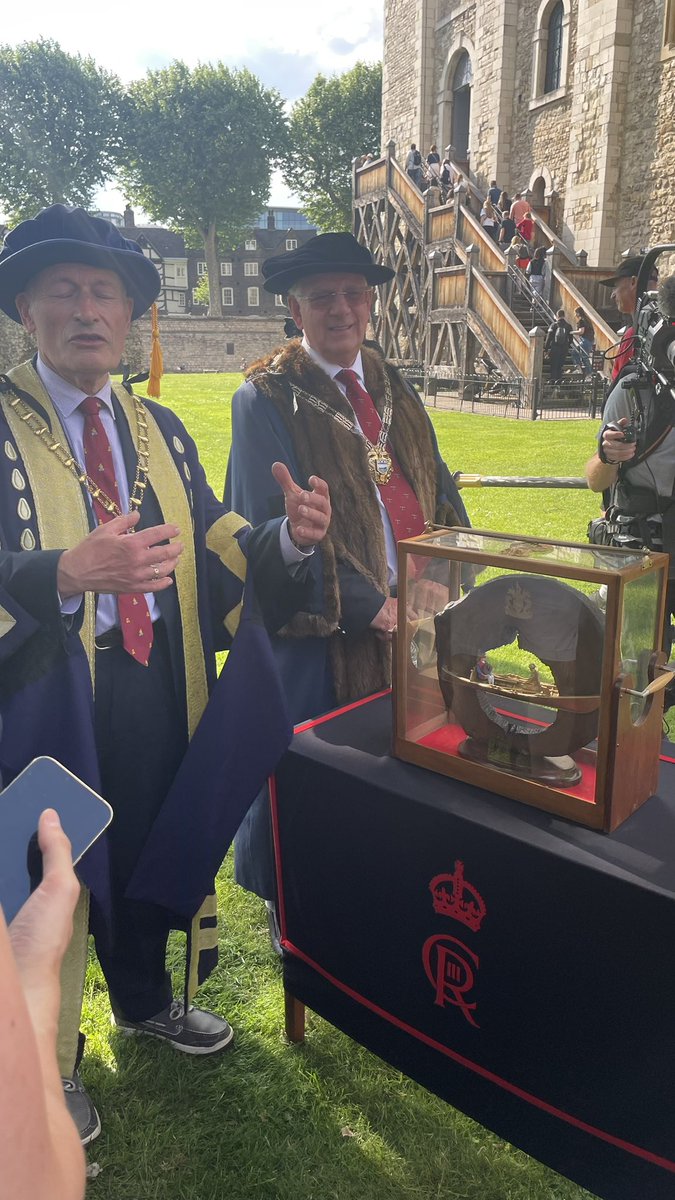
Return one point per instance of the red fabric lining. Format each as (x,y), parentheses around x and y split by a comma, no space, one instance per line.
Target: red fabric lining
(446,741)
(337,712)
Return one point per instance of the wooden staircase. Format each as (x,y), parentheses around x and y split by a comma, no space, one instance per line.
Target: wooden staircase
(457,300)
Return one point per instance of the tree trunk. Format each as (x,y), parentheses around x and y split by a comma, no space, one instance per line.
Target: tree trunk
(213,269)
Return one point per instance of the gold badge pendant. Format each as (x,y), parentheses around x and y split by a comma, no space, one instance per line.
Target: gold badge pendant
(379,465)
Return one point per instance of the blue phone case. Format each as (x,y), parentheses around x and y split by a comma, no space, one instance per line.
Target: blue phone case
(44,783)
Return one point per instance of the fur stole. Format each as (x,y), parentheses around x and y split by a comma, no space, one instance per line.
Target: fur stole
(361,664)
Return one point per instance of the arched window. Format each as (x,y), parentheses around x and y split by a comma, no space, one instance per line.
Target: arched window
(461,106)
(669,26)
(463,76)
(551,45)
(553,74)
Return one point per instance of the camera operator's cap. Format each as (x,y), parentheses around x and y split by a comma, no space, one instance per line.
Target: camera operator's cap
(69,235)
(325,254)
(627,268)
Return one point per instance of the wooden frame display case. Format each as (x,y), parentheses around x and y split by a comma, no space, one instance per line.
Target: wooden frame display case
(541,678)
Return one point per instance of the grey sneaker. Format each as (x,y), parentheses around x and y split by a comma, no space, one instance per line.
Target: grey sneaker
(81,1109)
(194,1032)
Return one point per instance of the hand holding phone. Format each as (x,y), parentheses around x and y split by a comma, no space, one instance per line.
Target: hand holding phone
(44,784)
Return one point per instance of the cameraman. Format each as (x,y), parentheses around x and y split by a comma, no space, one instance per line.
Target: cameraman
(639,473)
(624,294)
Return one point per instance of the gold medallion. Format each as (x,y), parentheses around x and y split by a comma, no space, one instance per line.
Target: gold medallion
(379,465)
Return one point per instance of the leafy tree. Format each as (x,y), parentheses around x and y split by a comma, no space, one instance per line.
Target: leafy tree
(60,127)
(199,148)
(336,121)
(201,291)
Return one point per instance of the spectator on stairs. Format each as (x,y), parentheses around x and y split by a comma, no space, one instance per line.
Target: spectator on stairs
(522,252)
(488,219)
(494,193)
(556,345)
(519,208)
(525,228)
(536,270)
(584,339)
(461,191)
(504,204)
(413,165)
(434,163)
(507,231)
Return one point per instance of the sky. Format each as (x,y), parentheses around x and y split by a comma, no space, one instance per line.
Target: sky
(284,44)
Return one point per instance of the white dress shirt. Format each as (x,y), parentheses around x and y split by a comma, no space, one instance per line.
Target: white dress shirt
(332,369)
(66,399)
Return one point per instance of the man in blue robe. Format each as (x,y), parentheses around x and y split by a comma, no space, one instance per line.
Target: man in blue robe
(331,398)
(107,641)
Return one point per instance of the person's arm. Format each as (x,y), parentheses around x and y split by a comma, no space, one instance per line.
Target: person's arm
(260,438)
(40,1150)
(602,475)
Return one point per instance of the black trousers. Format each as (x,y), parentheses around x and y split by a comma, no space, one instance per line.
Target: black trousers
(141,739)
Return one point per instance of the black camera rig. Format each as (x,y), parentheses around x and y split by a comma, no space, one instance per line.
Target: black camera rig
(653,366)
(634,518)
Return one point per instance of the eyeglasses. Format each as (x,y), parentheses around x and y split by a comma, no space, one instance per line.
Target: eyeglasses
(353,296)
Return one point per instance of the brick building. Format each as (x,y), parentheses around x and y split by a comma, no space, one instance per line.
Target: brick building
(572,101)
(277,230)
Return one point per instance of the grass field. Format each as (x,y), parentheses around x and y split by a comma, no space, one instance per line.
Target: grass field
(325,1120)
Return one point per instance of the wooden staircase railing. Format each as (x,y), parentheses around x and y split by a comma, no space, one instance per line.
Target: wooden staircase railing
(477,287)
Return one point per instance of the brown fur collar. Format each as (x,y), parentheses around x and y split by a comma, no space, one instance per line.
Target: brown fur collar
(323,447)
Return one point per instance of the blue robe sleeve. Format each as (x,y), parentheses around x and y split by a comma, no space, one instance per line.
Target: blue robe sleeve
(260,438)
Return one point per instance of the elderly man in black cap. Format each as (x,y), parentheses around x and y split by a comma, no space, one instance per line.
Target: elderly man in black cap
(624,294)
(107,641)
(330,398)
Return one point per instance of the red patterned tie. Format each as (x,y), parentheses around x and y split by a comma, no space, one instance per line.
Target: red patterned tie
(135,620)
(397,495)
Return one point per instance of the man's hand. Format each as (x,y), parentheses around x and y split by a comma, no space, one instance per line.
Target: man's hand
(308,512)
(615,449)
(384,621)
(41,930)
(429,598)
(42,1155)
(108,560)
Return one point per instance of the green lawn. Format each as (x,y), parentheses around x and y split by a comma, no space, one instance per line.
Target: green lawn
(326,1120)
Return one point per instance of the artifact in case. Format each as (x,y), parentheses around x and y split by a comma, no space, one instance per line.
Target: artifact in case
(541,678)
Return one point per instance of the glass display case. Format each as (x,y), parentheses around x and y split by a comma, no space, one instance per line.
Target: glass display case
(532,668)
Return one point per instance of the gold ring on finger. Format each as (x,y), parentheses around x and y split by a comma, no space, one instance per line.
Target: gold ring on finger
(155,571)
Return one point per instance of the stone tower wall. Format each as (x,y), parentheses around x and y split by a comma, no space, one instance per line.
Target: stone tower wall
(540,131)
(402,116)
(646,213)
(604,143)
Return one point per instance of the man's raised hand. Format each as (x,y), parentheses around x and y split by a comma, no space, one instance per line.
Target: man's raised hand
(308,512)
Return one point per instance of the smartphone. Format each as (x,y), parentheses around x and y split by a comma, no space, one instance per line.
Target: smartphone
(44,783)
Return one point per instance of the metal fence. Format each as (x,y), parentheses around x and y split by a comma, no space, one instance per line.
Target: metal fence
(492,394)
(572,397)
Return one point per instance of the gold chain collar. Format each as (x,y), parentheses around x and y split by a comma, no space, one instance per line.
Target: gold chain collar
(64,456)
(380,465)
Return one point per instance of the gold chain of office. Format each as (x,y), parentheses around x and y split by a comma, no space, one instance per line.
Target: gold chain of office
(62,453)
(380,465)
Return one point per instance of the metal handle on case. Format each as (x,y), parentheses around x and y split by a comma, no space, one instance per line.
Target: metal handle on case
(656,685)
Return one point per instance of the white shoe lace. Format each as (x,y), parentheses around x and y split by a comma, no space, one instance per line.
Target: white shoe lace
(177,1010)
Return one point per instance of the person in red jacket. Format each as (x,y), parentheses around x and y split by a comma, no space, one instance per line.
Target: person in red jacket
(624,294)
(526,227)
